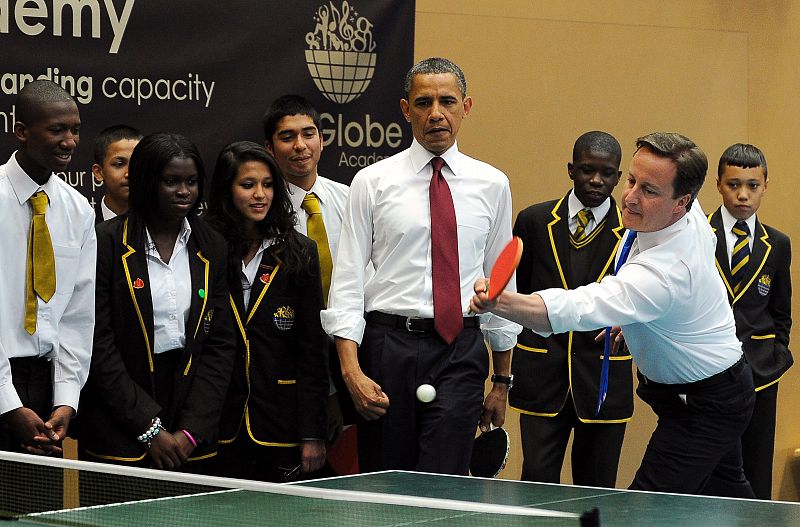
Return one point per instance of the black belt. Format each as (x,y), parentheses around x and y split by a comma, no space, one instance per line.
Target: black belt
(413,324)
(733,372)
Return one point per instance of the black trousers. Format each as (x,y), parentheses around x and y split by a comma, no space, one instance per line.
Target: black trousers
(428,437)
(758,443)
(42,487)
(596,448)
(696,447)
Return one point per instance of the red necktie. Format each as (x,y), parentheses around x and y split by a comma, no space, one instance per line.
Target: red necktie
(447,316)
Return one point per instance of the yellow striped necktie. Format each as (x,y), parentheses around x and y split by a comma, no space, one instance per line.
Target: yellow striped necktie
(583,217)
(741,254)
(41,266)
(315,228)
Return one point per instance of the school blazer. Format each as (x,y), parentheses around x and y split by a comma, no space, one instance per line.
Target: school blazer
(763,308)
(279,388)
(547,370)
(118,401)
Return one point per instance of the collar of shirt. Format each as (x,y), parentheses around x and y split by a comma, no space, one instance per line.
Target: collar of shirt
(598,213)
(24,187)
(648,240)
(106,212)
(421,158)
(250,270)
(180,243)
(728,221)
(297,194)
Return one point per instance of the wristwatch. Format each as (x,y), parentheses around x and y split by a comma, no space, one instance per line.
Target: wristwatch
(504,379)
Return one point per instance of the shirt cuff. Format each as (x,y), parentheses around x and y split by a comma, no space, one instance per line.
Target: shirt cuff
(66,394)
(9,399)
(500,333)
(338,323)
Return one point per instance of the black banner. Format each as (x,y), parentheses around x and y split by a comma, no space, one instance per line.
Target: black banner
(210,68)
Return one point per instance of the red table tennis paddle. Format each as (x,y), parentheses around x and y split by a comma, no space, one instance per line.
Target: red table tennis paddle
(504,267)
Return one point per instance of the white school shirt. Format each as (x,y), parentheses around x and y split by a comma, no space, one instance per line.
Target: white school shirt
(728,221)
(170,291)
(332,197)
(669,300)
(65,324)
(575,206)
(248,275)
(387,223)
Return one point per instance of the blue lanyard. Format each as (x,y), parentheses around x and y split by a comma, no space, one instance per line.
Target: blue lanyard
(601,396)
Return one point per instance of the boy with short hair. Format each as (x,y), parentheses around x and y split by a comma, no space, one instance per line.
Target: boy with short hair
(753,260)
(112,152)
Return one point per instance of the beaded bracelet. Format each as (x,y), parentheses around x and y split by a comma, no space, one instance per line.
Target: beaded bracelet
(152,432)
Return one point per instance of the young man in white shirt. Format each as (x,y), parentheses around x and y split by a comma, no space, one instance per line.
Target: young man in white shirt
(46,340)
(293,135)
(417,329)
(678,326)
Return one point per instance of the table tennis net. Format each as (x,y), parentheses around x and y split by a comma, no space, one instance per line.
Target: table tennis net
(47,491)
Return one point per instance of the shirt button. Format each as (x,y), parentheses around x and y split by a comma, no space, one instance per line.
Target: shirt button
(172,317)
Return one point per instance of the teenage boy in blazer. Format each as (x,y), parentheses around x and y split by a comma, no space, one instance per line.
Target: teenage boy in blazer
(760,295)
(556,379)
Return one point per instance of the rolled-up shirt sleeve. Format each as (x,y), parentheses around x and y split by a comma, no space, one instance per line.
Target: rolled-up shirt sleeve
(499,332)
(639,293)
(344,316)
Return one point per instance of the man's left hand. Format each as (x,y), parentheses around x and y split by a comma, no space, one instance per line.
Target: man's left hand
(312,455)
(494,407)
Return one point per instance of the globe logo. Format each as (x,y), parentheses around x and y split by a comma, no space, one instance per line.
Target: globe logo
(283,317)
(340,54)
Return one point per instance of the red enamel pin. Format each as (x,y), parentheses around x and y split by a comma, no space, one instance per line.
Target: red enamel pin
(138,283)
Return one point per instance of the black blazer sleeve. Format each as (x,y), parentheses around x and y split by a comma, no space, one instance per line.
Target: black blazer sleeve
(200,412)
(312,372)
(110,383)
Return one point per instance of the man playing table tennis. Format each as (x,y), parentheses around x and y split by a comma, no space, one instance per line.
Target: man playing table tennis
(431,220)
(674,313)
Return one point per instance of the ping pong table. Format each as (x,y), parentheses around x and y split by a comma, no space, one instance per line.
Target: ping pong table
(617,507)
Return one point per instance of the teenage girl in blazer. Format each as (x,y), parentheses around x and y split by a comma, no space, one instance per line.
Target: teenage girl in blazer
(274,421)
(163,343)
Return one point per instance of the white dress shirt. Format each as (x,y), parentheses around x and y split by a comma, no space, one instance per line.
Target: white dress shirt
(170,291)
(387,222)
(107,213)
(332,197)
(728,221)
(575,206)
(668,298)
(65,324)
(250,270)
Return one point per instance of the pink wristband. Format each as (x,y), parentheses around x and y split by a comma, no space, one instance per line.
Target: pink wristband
(190,438)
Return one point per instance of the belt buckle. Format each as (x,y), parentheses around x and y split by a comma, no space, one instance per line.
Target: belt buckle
(409,328)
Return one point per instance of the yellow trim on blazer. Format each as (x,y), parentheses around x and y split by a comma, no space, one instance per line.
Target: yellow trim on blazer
(239,325)
(287,381)
(535,350)
(205,296)
(735,297)
(263,292)
(125,256)
(617,357)
(556,219)
(759,388)
(762,337)
(116,458)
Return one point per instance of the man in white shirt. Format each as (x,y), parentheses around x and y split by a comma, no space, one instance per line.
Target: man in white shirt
(415,330)
(678,326)
(45,345)
(292,132)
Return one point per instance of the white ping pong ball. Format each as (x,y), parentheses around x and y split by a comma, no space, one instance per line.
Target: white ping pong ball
(426,393)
